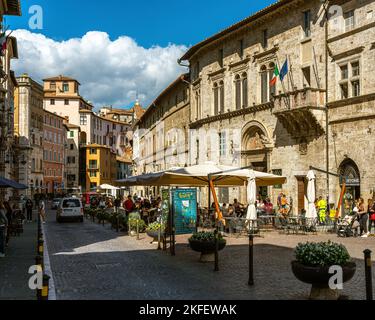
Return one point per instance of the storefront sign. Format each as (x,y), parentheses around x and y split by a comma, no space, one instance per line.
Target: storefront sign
(352,182)
(185,210)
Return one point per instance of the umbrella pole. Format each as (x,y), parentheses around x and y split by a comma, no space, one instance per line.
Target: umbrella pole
(217,218)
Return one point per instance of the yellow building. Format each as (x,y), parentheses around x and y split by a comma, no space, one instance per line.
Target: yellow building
(98,166)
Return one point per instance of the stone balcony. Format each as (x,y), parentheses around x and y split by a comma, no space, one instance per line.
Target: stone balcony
(302,111)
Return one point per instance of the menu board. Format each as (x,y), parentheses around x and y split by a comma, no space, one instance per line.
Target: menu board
(185,210)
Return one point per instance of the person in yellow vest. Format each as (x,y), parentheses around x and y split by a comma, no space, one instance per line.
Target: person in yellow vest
(332,212)
(322,206)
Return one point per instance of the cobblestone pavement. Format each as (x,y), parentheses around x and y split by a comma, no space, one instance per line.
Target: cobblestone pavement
(20,256)
(90,261)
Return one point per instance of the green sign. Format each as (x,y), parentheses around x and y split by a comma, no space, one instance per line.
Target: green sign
(185,210)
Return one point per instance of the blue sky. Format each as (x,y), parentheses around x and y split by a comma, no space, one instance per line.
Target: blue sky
(126,48)
(149,22)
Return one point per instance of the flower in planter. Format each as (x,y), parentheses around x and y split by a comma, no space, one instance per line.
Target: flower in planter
(322,254)
(205,236)
(133,225)
(155,226)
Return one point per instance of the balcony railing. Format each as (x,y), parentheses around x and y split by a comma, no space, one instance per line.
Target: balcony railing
(300,99)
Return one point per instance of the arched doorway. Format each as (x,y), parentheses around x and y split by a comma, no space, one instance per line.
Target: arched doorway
(256,149)
(349,173)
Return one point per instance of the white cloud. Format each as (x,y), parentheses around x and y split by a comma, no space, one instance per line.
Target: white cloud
(110,72)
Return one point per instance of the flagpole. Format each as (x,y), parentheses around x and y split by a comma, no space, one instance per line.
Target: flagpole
(290,73)
(282,83)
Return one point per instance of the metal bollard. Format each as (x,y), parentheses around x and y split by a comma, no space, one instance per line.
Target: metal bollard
(137,229)
(216,250)
(40,249)
(251,260)
(117,224)
(159,238)
(39,261)
(42,294)
(368,275)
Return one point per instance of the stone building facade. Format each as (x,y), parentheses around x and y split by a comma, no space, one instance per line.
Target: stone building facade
(161,135)
(285,129)
(28,126)
(72,157)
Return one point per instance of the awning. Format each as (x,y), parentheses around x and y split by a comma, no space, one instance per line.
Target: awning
(6,183)
(197,176)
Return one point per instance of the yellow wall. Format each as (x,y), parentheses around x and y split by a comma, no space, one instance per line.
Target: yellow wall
(106,161)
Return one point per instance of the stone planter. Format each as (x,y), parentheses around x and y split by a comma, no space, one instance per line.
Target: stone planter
(206,248)
(155,235)
(319,278)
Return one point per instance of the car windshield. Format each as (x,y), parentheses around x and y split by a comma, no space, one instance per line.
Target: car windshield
(71,203)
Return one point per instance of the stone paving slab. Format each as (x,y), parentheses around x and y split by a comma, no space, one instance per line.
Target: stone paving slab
(20,255)
(92,262)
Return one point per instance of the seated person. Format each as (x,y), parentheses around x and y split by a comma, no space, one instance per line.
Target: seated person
(224,210)
(231,211)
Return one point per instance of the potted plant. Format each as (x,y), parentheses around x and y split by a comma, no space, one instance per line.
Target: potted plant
(133,226)
(313,263)
(153,231)
(204,242)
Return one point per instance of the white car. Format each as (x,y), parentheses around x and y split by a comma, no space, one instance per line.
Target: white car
(70,208)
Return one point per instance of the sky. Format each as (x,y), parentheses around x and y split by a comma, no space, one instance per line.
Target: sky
(117,52)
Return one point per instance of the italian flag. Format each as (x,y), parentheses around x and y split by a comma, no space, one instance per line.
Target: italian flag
(275,75)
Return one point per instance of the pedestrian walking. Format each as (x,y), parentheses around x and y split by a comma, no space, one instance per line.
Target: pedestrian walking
(363,218)
(29,210)
(371,213)
(42,210)
(3,229)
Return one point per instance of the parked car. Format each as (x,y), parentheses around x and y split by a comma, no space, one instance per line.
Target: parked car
(55,203)
(70,209)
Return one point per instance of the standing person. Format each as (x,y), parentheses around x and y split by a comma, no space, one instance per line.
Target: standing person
(363,218)
(42,210)
(4,235)
(371,212)
(322,205)
(29,210)
(129,205)
(117,204)
(9,215)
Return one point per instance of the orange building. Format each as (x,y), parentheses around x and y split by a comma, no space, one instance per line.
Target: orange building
(54,145)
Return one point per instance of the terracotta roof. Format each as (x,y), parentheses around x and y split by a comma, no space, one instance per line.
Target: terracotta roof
(121,111)
(54,114)
(60,78)
(234,27)
(13,7)
(72,126)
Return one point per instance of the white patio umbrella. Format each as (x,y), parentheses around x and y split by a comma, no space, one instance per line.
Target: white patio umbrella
(251,197)
(311,212)
(197,176)
(108,187)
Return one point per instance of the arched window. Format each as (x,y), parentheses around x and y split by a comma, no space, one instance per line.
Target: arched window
(245,98)
(264,84)
(237,82)
(266,75)
(222,97)
(271,71)
(198,104)
(216,99)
